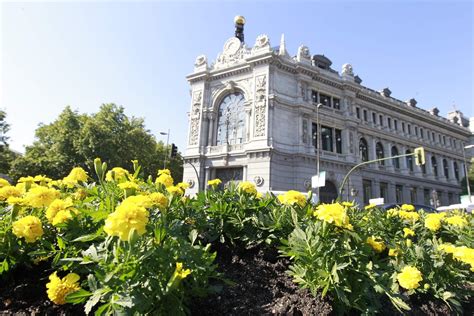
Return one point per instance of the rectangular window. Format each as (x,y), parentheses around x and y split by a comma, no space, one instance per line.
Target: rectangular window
(444,140)
(381,120)
(450,198)
(421,133)
(384,191)
(416,130)
(337,103)
(367,188)
(389,122)
(426,196)
(338,141)
(439,138)
(395,124)
(409,129)
(413,195)
(399,193)
(433,136)
(326,138)
(325,100)
(365,115)
(374,118)
(314,134)
(403,127)
(358,113)
(314,96)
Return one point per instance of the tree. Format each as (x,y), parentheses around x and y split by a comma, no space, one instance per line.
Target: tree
(6,154)
(75,139)
(471,179)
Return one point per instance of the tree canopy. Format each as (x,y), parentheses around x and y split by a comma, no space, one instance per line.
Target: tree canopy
(6,155)
(75,139)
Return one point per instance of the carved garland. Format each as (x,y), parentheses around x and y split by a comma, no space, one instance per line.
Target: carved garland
(195,118)
(260,105)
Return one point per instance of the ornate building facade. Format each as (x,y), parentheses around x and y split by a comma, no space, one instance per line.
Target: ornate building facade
(254,117)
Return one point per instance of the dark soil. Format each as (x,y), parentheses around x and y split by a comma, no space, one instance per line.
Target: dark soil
(261,287)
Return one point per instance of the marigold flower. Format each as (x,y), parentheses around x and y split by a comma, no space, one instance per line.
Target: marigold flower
(128,185)
(9,191)
(409,278)
(175,190)
(61,217)
(409,243)
(28,227)
(159,199)
(408,232)
(247,187)
(456,220)
(117,174)
(57,206)
(126,217)
(333,213)
(4,183)
(369,207)
(407,208)
(214,182)
(292,197)
(183,185)
(138,200)
(394,252)
(13,200)
(433,221)
(58,288)
(448,248)
(179,272)
(347,204)
(164,171)
(42,179)
(77,174)
(41,196)
(409,215)
(28,179)
(376,243)
(165,179)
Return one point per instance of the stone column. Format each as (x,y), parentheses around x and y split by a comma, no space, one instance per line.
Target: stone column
(452,178)
(248,121)
(403,160)
(345,142)
(391,193)
(211,117)
(387,152)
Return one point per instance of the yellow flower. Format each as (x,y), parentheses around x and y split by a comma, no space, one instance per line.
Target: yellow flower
(56,206)
(292,197)
(58,288)
(165,179)
(117,174)
(126,217)
(4,183)
(42,179)
(180,273)
(333,213)
(183,185)
(159,200)
(407,208)
(408,232)
(394,252)
(376,243)
(448,248)
(348,204)
(77,174)
(247,187)
(409,215)
(369,207)
(409,243)
(13,200)
(433,221)
(456,220)
(41,196)
(28,227)
(259,195)
(175,190)
(138,200)
(80,194)
(164,171)
(464,254)
(61,217)
(409,278)
(9,191)
(214,182)
(28,179)
(128,185)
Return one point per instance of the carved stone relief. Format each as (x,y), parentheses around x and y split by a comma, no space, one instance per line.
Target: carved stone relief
(260,105)
(233,52)
(258,180)
(195,116)
(305,131)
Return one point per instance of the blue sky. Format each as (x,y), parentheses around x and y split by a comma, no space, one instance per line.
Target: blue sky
(137,54)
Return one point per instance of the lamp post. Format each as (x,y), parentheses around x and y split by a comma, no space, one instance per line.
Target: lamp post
(166,150)
(465,170)
(318,132)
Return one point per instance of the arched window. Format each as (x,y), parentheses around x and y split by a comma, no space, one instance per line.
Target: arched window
(456,170)
(434,165)
(409,160)
(231,120)
(363,150)
(379,153)
(445,168)
(395,161)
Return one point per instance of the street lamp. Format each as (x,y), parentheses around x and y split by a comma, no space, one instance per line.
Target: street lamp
(166,150)
(465,170)
(318,132)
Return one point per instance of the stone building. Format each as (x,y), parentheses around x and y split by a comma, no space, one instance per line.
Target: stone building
(254,117)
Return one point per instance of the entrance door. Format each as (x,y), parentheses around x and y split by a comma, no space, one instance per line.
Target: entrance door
(229,174)
(328,192)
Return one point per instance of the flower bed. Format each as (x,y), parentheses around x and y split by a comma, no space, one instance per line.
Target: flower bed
(129,244)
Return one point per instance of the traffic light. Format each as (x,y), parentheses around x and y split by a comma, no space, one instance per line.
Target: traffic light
(419,156)
(174,150)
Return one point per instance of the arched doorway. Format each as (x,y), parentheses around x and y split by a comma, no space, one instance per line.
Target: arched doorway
(328,192)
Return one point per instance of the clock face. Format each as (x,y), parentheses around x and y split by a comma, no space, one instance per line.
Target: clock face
(231,46)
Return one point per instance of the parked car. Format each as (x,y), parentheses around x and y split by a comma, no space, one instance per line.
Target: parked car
(426,208)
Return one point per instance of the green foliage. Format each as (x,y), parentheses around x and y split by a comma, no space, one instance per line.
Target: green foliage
(75,139)
(471,179)
(6,154)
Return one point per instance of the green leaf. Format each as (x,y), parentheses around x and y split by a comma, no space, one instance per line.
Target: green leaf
(78,296)
(86,238)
